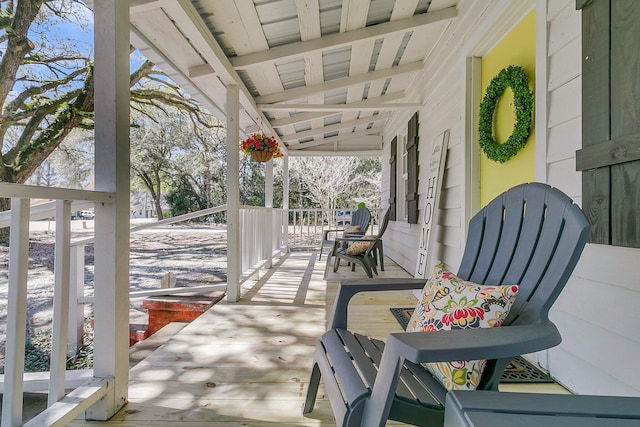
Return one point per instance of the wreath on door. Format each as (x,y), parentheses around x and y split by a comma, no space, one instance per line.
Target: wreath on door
(514,77)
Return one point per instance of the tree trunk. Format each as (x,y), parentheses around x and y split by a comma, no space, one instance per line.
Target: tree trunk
(157,196)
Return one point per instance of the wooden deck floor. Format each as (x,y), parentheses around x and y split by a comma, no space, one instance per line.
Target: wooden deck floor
(247,363)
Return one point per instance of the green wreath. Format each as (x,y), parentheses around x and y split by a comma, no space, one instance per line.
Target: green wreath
(513,76)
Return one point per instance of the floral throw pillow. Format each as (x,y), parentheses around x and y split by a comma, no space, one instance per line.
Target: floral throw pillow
(352,229)
(448,302)
(358,248)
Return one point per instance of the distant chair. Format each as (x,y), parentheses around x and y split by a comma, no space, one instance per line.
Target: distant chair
(358,227)
(366,251)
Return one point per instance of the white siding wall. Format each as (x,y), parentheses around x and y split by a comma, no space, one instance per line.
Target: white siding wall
(597,313)
(441,89)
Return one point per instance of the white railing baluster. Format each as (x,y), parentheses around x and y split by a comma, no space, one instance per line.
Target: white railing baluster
(16,313)
(76,290)
(60,322)
(267,247)
(265,233)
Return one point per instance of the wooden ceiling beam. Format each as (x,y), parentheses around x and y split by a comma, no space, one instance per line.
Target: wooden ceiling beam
(356,106)
(141,5)
(377,131)
(324,110)
(305,91)
(354,14)
(309,19)
(403,9)
(363,140)
(332,108)
(338,40)
(373,132)
(335,127)
(336,152)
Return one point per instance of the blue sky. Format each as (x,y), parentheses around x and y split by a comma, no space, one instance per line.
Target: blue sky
(76,32)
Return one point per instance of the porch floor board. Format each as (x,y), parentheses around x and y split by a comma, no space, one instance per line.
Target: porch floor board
(247,363)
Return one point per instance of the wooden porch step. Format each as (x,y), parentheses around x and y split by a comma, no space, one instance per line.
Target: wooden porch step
(137,332)
(183,307)
(145,347)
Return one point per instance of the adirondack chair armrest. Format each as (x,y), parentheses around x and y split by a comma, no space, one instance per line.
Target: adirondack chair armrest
(355,234)
(325,236)
(467,344)
(473,344)
(348,239)
(349,288)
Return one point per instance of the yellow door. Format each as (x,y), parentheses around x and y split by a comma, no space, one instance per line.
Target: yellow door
(517,48)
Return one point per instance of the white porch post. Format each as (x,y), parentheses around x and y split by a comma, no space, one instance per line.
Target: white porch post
(268,203)
(16,313)
(111,307)
(233,193)
(285,199)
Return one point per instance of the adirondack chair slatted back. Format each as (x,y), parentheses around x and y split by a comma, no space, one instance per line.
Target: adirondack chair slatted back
(361,217)
(531,236)
(384,224)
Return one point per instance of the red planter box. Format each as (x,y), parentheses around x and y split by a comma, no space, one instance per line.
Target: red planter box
(177,308)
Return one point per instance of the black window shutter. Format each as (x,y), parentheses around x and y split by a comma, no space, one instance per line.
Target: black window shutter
(412,172)
(393,178)
(610,154)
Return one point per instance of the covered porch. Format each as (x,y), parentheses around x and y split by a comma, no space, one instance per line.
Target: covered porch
(316,105)
(248,363)
(324,78)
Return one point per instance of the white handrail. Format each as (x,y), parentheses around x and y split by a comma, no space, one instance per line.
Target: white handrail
(166,221)
(22,191)
(42,211)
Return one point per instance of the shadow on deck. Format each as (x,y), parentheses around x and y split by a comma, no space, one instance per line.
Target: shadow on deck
(247,363)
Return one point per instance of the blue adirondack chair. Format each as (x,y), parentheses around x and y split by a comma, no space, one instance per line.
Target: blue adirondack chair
(531,235)
(368,259)
(361,217)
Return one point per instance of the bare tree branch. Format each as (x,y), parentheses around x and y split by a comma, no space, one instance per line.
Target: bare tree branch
(47,92)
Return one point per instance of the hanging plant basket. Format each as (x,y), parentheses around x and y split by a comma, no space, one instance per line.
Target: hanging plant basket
(260,147)
(261,156)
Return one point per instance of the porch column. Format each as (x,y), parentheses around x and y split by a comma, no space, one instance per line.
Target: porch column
(233,193)
(285,199)
(111,307)
(268,203)
(16,313)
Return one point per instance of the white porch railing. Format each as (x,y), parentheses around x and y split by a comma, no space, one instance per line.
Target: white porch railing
(307,226)
(263,236)
(88,393)
(77,298)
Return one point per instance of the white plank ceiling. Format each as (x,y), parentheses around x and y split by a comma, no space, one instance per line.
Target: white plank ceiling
(323,76)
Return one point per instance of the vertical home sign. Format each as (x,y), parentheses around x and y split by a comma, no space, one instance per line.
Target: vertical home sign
(435,172)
